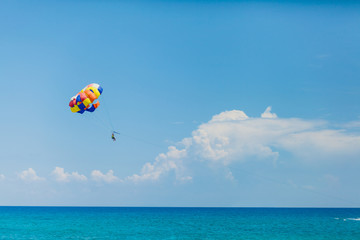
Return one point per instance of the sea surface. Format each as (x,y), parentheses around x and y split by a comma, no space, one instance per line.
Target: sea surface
(178,223)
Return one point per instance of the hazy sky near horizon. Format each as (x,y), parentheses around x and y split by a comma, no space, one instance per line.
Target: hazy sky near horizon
(219,103)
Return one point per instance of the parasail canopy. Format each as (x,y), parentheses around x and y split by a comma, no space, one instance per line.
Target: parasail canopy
(86,99)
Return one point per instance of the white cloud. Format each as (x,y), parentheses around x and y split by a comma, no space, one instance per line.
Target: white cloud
(62,176)
(30,175)
(229,116)
(229,175)
(109,177)
(268,113)
(172,160)
(232,136)
(2,177)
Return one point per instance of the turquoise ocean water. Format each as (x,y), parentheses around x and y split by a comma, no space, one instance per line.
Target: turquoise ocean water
(178,223)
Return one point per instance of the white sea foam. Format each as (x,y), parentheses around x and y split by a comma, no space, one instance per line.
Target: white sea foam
(352,219)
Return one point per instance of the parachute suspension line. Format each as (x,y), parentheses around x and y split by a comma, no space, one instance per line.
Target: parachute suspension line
(87,101)
(108,113)
(93,120)
(97,121)
(106,125)
(109,117)
(121,133)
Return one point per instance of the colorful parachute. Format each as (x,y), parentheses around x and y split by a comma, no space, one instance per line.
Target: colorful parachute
(86,99)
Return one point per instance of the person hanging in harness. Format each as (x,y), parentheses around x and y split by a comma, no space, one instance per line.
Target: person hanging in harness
(113,137)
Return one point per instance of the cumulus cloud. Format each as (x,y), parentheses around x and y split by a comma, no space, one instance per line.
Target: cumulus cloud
(164,162)
(232,136)
(268,113)
(109,177)
(30,175)
(62,176)
(229,116)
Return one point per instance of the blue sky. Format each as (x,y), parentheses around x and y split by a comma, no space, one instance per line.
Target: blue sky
(229,103)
